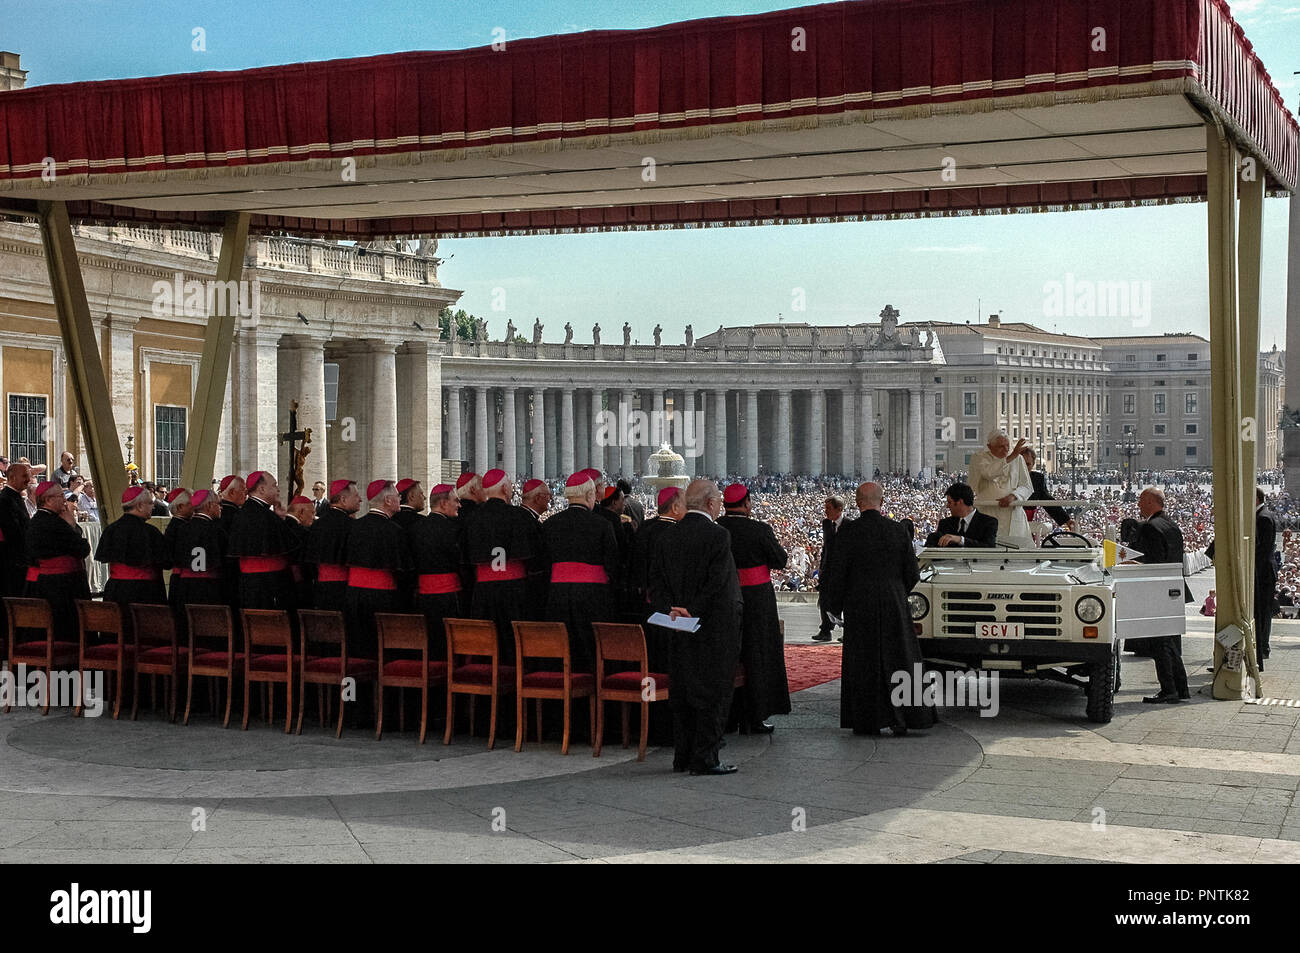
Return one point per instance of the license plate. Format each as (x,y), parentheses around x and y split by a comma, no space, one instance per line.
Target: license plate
(1000,630)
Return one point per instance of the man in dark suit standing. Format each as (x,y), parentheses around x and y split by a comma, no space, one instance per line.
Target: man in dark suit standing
(1160,541)
(966,526)
(1265,575)
(14,521)
(692,573)
(1038,479)
(834,510)
(867,583)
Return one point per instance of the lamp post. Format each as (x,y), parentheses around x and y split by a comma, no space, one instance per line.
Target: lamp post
(1129,447)
(878,429)
(1073,453)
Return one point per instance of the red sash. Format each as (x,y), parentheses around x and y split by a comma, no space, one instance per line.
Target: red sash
(331,572)
(55,566)
(263,563)
(187,573)
(439,583)
(132,573)
(755,576)
(578,572)
(362,578)
(514,569)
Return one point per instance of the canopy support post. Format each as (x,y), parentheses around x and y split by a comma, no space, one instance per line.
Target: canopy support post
(89,386)
(1231,352)
(214,366)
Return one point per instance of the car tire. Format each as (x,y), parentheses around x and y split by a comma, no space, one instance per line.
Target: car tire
(1103,680)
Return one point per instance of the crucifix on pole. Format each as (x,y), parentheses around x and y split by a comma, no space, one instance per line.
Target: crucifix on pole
(297,454)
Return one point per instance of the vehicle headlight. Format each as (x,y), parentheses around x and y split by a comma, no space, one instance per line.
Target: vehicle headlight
(1089,609)
(919,605)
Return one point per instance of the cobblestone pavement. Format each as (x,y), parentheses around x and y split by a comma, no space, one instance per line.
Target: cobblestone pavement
(1199,782)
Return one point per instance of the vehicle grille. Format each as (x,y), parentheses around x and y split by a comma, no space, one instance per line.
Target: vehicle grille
(960,609)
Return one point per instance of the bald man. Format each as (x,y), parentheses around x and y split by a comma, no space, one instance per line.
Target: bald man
(871,573)
(1160,540)
(14,520)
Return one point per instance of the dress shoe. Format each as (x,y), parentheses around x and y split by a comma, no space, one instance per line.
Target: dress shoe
(762,728)
(1164,698)
(898,731)
(822,637)
(716,769)
(1184,696)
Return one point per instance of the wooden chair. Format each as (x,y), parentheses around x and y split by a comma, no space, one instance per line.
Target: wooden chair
(212,652)
(156,653)
(475,637)
(44,653)
(616,642)
(548,640)
(320,628)
(400,635)
(270,628)
(103,618)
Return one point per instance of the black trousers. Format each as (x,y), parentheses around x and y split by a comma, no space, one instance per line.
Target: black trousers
(1263,628)
(1169,665)
(697,733)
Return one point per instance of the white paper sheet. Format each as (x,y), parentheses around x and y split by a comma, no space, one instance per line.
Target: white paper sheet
(685,623)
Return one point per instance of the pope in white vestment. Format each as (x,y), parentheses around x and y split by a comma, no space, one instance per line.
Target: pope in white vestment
(995,475)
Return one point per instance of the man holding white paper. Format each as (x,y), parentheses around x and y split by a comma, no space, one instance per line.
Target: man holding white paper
(693,574)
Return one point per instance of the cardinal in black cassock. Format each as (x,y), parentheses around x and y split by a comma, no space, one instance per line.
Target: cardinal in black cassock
(435,551)
(500,543)
(326,547)
(200,557)
(762,649)
(469,490)
(135,552)
(14,520)
(298,521)
(56,556)
(583,557)
(692,569)
(610,509)
(263,548)
(671,507)
(870,575)
(377,551)
(181,504)
(233,492)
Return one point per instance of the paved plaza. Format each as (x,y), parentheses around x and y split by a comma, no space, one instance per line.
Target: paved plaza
(1199,783)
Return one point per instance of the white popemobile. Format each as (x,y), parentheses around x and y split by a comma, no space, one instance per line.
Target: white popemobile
(1058,610)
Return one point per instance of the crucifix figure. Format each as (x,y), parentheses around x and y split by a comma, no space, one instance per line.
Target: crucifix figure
(297,454)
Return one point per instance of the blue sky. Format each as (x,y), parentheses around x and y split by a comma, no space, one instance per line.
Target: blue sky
(944,269)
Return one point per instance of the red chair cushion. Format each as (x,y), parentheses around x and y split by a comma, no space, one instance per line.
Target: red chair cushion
(480,673)
(579,680)
(631,681)
(271,662)
(212,659)
(329,665)
(410,668)
(106,653)
(35,652)
(162,654)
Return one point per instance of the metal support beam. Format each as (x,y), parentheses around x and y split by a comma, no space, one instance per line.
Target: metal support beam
(90,389)
(1229,407)
(210,391)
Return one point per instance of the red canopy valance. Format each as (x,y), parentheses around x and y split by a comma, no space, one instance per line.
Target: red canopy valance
(839,62)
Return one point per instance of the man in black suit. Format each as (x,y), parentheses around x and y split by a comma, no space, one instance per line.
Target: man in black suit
(1265,575)
(966,526)
(14,522)
(1038,479)
(1160,541)
(834,510)
(692,573)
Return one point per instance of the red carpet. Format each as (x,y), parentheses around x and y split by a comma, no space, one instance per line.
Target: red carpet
(809,665)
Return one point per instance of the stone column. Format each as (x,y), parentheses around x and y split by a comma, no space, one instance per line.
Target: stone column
(509,462)
(658,434)
(539,432)
(866,449)
(816,428)
(692,436)
(626,456)
(420,381)
(720,433)
(566,437)
(455,425)
(311,407)
(751,433)
(521,430)
(256,432)
(848,458)
(383,415)
(482,438)
(782,437)
(927,429)
(552,435)
(913,432)
(596,449)
(118,347)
